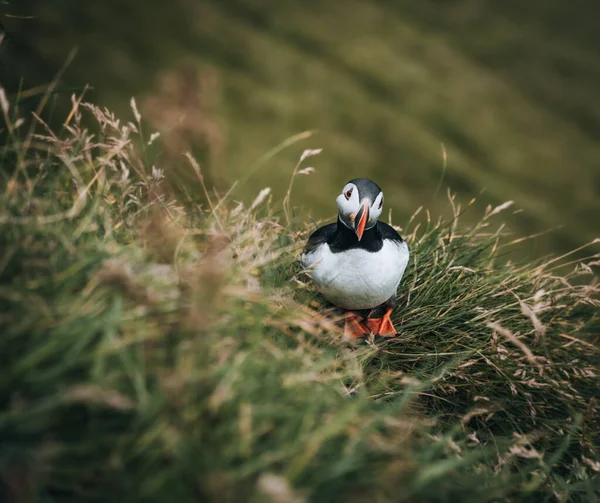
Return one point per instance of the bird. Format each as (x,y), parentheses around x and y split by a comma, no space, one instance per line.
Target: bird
(357,262)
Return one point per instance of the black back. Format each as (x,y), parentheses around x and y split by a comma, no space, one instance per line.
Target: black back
(340,238)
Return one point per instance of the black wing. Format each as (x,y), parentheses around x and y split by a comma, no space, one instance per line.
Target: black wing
(320,236)
(388,232)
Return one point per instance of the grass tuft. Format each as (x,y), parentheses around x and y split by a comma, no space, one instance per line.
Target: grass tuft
(161,347)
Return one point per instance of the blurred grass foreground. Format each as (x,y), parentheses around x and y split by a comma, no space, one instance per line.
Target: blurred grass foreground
(156,349)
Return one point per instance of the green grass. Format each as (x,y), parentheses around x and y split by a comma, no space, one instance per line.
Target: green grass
(157,346)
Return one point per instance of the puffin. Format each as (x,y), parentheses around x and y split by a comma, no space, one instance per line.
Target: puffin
(357,262)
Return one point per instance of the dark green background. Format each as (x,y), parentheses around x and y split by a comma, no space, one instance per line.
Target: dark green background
(509,87)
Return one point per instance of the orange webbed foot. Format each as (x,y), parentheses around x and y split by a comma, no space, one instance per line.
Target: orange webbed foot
(354,327)
(382,326)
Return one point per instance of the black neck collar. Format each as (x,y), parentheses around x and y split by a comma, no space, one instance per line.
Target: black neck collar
(345,239)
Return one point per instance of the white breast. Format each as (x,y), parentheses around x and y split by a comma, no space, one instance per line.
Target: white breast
(356,278)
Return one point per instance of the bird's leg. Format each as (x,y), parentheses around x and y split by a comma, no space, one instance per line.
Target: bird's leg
(354,327)
(386,328)
(383,326)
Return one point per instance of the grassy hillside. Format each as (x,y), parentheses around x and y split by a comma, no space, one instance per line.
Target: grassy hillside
(157,349)
(509,89)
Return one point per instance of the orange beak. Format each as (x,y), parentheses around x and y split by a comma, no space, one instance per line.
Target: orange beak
(363,217)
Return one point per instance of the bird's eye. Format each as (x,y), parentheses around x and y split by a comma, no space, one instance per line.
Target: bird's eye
(348,193)
(380,204)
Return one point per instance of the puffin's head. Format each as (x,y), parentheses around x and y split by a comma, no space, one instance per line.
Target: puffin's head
(359,205)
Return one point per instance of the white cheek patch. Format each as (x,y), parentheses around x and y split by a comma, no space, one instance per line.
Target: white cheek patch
(375,210)
(348,206)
